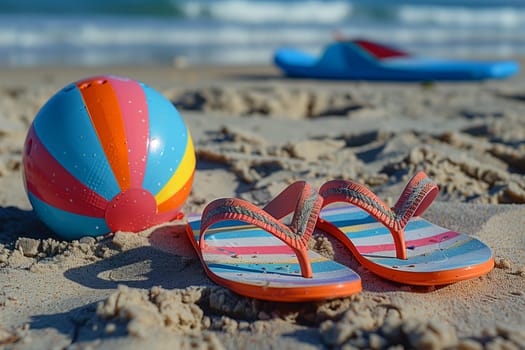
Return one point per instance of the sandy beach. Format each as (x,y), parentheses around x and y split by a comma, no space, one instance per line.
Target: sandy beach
(255,132)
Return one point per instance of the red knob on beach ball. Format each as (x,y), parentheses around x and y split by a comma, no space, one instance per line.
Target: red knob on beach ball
(107,154)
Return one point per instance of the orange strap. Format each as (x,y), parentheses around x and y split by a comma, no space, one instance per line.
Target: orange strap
(299,198)
(417,196)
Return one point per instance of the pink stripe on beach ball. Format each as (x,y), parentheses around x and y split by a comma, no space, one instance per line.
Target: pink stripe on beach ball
(134,109)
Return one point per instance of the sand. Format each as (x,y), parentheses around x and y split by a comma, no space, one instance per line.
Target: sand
(255,132)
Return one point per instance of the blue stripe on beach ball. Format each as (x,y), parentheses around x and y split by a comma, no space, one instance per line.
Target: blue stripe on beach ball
(168,141)
(68,225)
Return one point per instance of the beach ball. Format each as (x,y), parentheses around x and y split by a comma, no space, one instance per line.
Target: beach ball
(107,154)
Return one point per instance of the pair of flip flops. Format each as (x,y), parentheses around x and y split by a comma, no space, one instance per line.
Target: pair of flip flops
(254,253)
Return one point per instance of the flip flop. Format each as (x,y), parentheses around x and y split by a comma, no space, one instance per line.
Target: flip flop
(397,244)
(366,60)
(252,252)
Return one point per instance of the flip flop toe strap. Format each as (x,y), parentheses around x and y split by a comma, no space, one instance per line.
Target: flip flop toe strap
(414,200)
(298,198)
(417,196)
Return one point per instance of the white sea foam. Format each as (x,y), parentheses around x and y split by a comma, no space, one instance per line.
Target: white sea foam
(463,16)
(249,31)
(88,33)
(245,11)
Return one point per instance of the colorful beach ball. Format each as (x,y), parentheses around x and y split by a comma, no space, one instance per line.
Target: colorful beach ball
(107,154)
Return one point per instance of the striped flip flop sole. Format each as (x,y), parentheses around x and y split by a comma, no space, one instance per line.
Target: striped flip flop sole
(252,262)
(435,255)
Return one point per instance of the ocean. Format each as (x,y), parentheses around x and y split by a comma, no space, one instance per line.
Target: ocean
(142,32)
